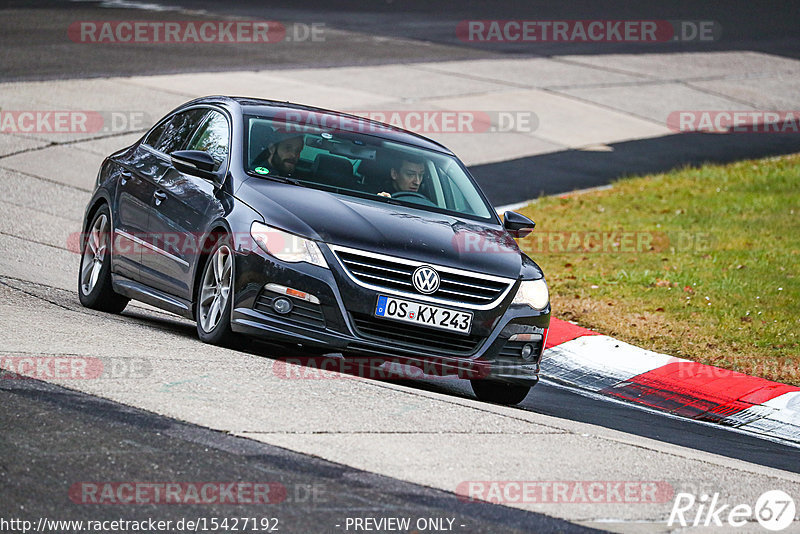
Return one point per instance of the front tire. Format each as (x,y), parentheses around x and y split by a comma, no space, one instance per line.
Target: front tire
(215,298)
(499,392)
(94,275)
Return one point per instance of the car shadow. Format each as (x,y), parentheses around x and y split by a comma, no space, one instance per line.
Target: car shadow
(527,178)
(161,320)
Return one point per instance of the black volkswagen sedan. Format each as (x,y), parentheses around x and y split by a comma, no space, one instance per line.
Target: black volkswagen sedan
(321,231)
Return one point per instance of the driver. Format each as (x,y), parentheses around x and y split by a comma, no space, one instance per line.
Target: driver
(282,154)
(406,176)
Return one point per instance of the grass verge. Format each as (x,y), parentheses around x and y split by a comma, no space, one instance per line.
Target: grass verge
(701,263)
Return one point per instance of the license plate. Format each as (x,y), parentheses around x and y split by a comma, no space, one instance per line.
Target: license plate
(423,314)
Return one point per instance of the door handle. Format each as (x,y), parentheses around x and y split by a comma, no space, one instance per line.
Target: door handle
(160,197)
(124,177)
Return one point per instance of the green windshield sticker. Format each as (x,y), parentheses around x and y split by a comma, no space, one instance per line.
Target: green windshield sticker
(261,170)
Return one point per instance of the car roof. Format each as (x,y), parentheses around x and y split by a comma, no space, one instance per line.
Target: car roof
(271,108)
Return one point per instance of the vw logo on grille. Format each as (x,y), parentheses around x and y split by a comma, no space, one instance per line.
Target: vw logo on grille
(425,280)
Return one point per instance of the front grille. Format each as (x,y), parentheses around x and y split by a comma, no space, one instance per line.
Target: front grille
(303,313)
(411,336)
(387,272)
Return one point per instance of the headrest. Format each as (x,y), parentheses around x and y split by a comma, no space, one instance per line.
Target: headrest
(333,170)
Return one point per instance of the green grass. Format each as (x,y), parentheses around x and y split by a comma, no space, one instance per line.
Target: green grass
(714,278)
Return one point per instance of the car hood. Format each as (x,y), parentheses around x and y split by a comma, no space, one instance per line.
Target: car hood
(387,228)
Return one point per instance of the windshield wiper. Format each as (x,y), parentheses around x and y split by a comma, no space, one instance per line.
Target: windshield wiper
(277,178)
(362,194)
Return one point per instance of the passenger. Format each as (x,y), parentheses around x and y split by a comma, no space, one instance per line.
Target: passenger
(281,155)
(407,175)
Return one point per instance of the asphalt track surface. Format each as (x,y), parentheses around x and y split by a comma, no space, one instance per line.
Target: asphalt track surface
(546,398)
(53,436)
(36,46)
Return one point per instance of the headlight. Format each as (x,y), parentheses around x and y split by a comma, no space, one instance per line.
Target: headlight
(286,246)
(534,293)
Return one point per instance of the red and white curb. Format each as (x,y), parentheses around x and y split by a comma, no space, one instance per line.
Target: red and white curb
(603,365)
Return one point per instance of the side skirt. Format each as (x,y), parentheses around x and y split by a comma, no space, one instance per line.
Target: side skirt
(154,297)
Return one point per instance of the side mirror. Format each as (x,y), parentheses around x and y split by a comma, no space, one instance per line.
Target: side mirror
(194,162)
(518,225)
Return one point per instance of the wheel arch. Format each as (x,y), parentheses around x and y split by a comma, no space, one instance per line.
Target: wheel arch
(92,210)
(217,230)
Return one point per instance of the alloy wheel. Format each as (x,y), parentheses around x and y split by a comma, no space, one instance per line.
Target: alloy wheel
(94,254)
(216,287)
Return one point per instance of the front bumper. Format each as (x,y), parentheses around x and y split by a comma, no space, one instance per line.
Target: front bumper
(343,322)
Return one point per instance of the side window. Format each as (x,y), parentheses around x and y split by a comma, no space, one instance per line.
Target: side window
(155,134)
(178,130)
(212,137)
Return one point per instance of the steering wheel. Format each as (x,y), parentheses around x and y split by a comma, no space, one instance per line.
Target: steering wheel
(411,194)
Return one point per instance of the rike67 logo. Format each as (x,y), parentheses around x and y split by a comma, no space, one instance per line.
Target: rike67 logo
(774,510)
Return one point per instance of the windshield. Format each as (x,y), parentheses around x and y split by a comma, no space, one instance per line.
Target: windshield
(361,165)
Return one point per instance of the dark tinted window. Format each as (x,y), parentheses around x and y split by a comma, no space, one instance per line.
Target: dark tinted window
(212,137)
(155,134)
(178,130)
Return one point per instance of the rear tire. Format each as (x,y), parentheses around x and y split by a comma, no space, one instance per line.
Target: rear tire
(94,275)
(499,392)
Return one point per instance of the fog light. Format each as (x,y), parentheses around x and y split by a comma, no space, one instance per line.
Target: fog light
(282,305)
(527,352)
